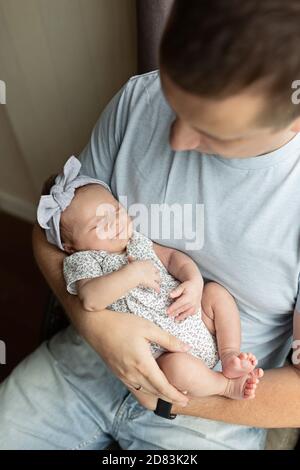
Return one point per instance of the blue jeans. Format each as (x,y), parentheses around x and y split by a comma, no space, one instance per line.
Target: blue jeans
(63,396)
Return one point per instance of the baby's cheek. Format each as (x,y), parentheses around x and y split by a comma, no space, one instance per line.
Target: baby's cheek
(97,239)
(100,243)
(100,233)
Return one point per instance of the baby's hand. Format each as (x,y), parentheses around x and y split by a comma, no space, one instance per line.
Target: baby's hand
(188,295)
(146,273)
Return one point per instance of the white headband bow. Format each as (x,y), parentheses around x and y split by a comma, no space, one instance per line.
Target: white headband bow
(61,194)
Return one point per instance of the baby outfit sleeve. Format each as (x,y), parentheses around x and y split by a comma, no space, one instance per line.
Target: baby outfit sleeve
(80,265)
(140,247)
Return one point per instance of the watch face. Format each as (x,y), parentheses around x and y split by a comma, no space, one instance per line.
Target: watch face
(163,409)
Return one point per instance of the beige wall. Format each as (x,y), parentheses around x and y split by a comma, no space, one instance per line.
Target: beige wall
(62,60)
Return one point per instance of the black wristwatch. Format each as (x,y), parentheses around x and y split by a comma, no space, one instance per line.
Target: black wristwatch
(163,409)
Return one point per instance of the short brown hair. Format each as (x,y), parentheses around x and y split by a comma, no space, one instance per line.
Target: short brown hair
(217,48)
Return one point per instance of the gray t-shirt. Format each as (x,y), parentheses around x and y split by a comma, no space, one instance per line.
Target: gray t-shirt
(251,212)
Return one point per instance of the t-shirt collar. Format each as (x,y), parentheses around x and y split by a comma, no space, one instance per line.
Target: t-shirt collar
(291,148)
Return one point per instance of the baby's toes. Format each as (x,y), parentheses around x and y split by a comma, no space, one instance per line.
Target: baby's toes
(253,380)
(257,373)
(252,359)
(245,361)
(249,390)
(243,356)
(250,385)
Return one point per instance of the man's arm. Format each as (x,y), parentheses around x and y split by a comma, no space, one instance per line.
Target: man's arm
(127,351)
(50,261)
(276,405)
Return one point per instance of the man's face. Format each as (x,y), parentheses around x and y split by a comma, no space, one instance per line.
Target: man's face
(227,127)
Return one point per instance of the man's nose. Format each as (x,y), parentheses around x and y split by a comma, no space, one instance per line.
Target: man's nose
(183,137)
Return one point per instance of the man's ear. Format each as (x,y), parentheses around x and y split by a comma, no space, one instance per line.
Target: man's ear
(68,248)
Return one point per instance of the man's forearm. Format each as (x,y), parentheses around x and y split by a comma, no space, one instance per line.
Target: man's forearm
(50,262)
(277,403)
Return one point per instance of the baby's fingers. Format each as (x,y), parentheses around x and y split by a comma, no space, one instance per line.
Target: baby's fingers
(179,303)
(156,286)
(177,292)
(180,310)
(187,313)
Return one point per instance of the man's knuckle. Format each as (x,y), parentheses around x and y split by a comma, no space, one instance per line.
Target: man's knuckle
(139,365)
(164,390)
(147,376)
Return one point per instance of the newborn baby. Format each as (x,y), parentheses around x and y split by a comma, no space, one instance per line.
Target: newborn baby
(112,266)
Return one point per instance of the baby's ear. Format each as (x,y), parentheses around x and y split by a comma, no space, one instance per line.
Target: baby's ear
(68,248)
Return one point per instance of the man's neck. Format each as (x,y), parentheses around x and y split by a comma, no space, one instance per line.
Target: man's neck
(286,138)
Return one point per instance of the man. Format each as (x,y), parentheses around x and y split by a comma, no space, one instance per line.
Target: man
(224,90)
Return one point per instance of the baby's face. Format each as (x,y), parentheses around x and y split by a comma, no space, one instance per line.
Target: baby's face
(95,220)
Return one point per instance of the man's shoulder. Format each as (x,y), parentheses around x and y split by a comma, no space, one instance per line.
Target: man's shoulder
(146,79)
(146,87)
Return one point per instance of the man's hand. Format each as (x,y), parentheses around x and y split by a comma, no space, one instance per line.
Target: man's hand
(145,399)
(188,295)
(122,340)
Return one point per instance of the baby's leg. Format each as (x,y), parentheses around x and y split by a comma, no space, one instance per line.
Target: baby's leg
(221,316)
(189,374)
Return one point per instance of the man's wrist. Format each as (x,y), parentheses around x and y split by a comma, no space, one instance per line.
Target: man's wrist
(177,410)
(85,322)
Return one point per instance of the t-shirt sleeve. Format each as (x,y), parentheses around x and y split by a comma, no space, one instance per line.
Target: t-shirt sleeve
(98,157)
(80,265)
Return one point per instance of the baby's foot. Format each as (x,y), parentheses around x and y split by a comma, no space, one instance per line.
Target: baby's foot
(237,365)
(243,388)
